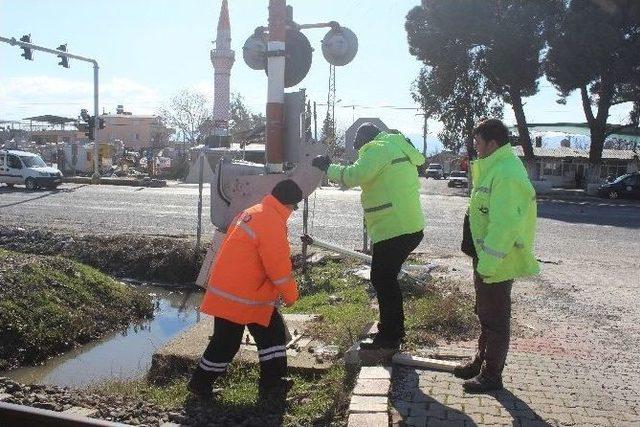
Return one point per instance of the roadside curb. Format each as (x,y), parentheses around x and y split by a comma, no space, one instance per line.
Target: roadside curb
(369,405)
(146,182)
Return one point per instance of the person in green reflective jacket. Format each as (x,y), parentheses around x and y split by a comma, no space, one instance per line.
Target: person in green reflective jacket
(499,232)
(386,171)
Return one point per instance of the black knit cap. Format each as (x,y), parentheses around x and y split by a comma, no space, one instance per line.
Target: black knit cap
(367,132)
(287,192)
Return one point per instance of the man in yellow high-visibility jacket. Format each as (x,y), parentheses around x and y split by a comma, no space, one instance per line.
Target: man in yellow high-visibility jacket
(499,234)
(386,170)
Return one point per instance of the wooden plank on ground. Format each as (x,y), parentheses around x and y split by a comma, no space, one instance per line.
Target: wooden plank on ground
(424,362)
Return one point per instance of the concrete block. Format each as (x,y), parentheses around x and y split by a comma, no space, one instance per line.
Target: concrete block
(418,421)
(369,404)
(375,372)
(376,387)
(179,356)
(368,420)
(423,362)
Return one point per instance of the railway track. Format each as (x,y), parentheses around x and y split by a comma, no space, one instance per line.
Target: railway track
(19,415)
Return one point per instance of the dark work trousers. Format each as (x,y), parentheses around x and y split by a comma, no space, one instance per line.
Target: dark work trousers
(493,308)
(226,340)
(388,257)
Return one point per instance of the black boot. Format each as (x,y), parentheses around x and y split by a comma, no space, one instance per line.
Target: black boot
(482,384)
(381,343)
(468,371)
(201,383)
(274,389)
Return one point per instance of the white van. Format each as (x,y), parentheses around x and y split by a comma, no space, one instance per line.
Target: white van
(28,169)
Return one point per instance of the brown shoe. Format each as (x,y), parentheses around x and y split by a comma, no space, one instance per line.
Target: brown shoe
(468,371)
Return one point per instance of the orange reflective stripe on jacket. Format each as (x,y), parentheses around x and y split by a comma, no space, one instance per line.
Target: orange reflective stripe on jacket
(253,266)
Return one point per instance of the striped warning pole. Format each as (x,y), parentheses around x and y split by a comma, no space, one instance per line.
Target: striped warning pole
(275,92)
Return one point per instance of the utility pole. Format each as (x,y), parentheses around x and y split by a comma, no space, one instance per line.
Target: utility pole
(331,101)
(424,133)
(28,47)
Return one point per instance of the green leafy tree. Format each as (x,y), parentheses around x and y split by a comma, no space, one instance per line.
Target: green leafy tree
(594,47)
(328,134)
(503,39)
(458,103)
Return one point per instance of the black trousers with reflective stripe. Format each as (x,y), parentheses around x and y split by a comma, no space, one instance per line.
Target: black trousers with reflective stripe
(270,340)
(388,257)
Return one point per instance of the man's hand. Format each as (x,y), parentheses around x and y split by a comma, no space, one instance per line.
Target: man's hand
(321,162)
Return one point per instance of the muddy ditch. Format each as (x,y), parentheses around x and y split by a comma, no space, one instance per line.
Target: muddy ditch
(161,259)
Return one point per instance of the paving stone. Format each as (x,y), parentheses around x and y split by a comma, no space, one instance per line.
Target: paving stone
(366,387)
(368,404)
(420,396)
(436,411)
(564,371)
(375,372)
(419,409)
(396,418)
(434,422)
(455,415)
(368,420)
(420,421)
(533,423)
(401,407)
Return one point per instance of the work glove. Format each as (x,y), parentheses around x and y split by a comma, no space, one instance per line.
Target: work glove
(321,162)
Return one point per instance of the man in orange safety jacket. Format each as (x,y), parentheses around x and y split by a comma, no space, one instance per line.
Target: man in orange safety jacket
(250,274)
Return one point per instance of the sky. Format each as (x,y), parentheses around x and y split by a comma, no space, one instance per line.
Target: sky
(149,50)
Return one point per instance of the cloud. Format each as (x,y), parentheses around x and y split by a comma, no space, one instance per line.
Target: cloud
(34,95)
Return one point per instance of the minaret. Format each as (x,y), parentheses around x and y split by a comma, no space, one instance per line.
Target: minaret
(222,58)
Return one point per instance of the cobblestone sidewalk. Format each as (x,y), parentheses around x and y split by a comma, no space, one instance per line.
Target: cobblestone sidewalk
(539,391)
(574,361)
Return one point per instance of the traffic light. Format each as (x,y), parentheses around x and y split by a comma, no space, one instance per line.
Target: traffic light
(28,53)
(91,121)
(64,61)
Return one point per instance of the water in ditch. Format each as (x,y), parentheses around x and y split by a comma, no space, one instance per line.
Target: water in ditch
(125,354)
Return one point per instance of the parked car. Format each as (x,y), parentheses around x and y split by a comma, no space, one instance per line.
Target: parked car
(434,171)
(28,169)
(458,179)
(625,186)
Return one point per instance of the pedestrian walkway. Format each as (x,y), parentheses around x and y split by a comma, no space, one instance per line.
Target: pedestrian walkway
(539,391)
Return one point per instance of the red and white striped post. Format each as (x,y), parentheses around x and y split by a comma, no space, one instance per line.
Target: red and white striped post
(275,92)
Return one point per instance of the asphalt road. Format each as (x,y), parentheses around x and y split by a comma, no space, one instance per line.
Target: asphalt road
(580,229)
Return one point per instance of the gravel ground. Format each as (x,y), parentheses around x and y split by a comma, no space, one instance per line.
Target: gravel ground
(127,410)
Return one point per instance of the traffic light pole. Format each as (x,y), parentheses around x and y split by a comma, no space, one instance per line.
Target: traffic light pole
(13,42)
